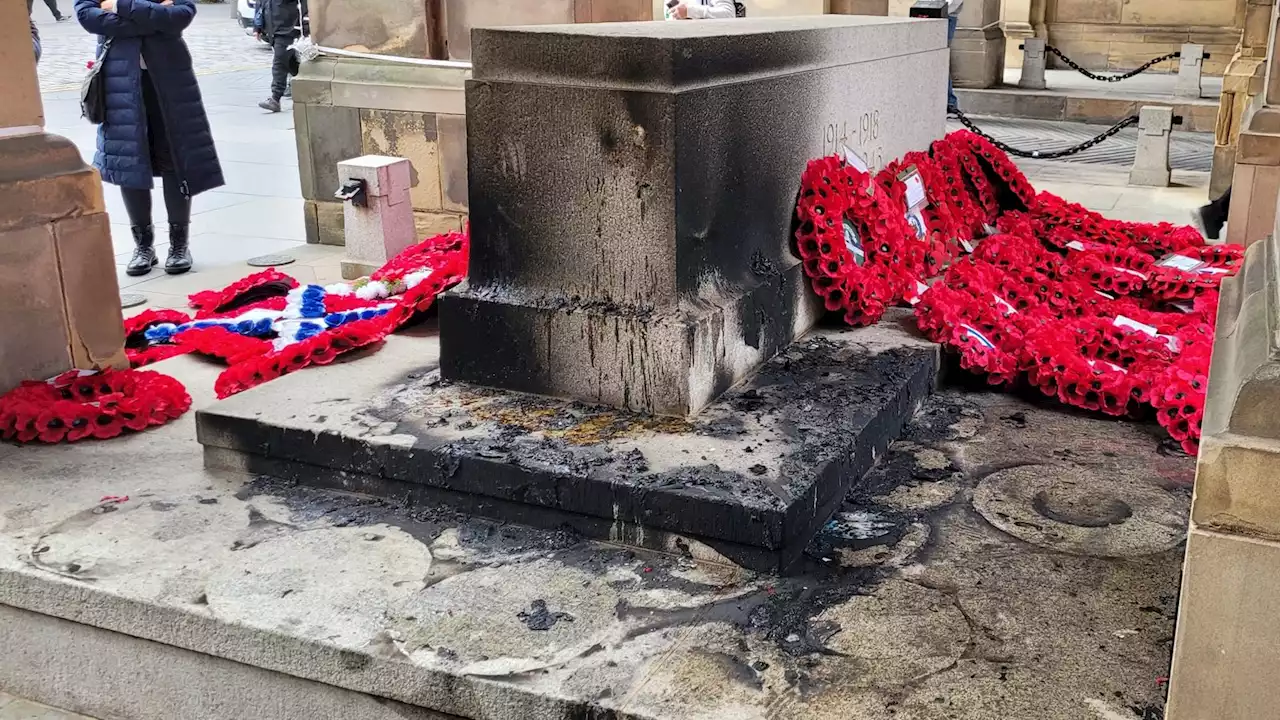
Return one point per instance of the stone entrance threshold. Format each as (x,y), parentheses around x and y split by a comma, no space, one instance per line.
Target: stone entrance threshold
(1003,560)
(750,479)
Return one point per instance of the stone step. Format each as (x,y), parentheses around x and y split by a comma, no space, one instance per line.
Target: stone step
(1085,106)
(750,479)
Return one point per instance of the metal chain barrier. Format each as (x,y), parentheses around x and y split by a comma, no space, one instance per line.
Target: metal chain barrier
(1050,154)
(1112,78)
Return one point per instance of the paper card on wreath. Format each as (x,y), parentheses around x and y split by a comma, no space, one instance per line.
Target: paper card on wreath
(1180,262)
(919,290)
(855,160)
(916,197)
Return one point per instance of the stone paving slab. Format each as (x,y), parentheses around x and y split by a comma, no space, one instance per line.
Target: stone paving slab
(16,708)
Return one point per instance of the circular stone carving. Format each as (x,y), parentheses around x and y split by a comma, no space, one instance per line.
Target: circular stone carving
(128,300)
(270,260)
(1072,510)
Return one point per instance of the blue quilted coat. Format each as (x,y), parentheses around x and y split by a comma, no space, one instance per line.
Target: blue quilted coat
(144,29)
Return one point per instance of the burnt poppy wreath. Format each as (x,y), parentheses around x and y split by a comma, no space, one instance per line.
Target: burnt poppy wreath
(81,404)
(850,239)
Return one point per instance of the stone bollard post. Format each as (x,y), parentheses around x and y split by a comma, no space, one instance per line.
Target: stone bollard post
(1151,162)
(1190,67)
(377,212)
(1033,63)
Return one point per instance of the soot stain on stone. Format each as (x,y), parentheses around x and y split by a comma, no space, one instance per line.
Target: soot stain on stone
(539,618)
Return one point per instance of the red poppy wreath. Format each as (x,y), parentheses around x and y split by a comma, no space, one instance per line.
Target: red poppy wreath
(77,405)
(851,237)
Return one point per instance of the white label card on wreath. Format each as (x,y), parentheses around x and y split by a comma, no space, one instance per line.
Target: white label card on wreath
(853,243)
(1075,245)
(1004,305)
(1124,322)
(920,290)
(916,197)
(855,160)
(1213,271)
(1180,262)
(968,246)
(1129,271)
(1185,307)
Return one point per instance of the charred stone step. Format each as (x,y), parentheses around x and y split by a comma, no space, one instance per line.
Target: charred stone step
(751,478)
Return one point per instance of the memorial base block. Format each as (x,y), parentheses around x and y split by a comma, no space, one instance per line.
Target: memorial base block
(670,363)
(633,188)
(750,480)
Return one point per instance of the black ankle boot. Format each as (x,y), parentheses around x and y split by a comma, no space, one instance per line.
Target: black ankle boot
(179,260)
(144,251)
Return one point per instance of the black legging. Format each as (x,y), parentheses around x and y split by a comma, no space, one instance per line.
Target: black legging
(1223,204)
(53,7)
(137,203)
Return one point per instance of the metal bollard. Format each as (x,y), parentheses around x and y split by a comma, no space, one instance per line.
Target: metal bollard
(377,212)
(1033,60)
(1190,69)
(1151,162)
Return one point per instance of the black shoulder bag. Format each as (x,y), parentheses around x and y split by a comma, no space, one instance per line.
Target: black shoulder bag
(93,91)
(739,9)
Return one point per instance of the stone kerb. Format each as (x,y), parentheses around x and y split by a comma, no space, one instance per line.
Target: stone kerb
(632,188)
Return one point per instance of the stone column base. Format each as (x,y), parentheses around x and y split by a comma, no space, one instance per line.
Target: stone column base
(977,57)
(59,298)
(1256,180)
(663,362)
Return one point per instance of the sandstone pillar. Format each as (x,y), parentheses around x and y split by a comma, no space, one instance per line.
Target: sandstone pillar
(618,258)
(59,298)
(1256,177)
(978,51)
(1241,82)
(1224,655)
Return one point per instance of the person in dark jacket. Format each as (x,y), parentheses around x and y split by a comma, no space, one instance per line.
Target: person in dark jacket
(277,22)
(35,38)
(156,124)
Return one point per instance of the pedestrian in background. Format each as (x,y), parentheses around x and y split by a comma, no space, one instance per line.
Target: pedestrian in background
(156,124)
(35,38)
(277,23)
(701,10)
(53,8)
(953,16)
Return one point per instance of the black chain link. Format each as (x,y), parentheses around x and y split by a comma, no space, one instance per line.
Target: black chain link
(1111,78)
(1049,154)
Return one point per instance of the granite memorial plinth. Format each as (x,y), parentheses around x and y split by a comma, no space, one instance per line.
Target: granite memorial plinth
(632,189)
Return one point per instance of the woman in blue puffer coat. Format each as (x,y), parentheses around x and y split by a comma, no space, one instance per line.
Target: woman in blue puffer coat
(155,122)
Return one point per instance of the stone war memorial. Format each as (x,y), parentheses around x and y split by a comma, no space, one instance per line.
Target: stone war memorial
(680,370)
(629,220)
